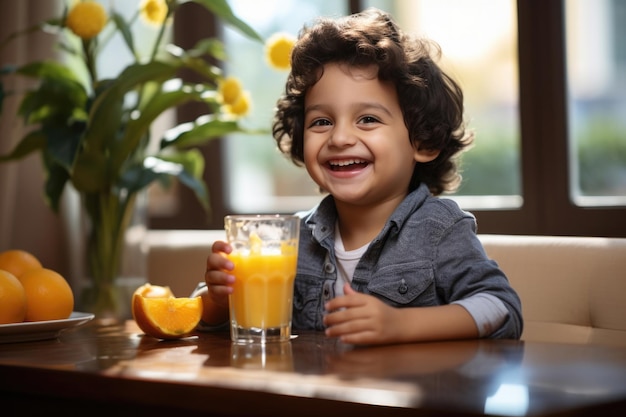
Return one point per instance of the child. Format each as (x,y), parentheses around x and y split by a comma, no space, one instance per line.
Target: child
(378,125)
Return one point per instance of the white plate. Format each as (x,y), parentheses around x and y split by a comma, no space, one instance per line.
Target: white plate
(41,330)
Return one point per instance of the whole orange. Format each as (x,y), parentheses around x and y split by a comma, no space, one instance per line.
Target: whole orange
(12,299)
(18,261)
(48,295)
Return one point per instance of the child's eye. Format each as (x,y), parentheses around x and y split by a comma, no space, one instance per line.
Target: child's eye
(320,122)
(368,119)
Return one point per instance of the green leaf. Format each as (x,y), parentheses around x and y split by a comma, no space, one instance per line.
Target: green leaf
(137,177)
(202,67)
(70,49)
(124,29)
(211,46)
(192,173)
(222,10)
(198,187)
(89,173)
(55,22)
(60,95)
(194,60)
(48,69)
(137,127)
(55,183)
(63,143)
(199,132)
(191,160)
(53,103)
(32,142)
(106,113)
(187,167)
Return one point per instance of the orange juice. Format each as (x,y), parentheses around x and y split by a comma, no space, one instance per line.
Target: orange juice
(263,290)
(264,252)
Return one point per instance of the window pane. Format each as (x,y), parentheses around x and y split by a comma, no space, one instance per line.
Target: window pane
(478,39)
(596,74)
(259,178)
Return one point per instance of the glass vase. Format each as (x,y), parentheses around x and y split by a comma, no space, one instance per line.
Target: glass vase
(115,253)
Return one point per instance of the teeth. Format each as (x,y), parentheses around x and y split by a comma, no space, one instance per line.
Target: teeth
(347,162)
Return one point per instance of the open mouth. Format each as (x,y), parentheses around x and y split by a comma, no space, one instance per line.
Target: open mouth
(347,164)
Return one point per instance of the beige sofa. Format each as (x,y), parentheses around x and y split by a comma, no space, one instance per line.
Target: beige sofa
(573,289)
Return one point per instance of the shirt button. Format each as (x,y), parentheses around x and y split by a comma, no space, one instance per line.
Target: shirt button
(329,268)
(327,291)
(403,288)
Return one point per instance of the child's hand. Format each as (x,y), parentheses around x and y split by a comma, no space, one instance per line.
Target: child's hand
(361,319)
(218,280)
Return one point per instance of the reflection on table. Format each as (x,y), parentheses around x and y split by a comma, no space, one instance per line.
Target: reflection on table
(120,370)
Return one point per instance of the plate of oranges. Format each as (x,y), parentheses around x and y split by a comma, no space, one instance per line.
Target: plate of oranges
(36,303)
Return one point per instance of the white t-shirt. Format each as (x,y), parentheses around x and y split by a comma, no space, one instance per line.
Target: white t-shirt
(346,262)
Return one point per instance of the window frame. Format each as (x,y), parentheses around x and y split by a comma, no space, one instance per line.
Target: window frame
(547,206)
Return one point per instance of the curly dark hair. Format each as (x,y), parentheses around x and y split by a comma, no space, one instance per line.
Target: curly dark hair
(431,101)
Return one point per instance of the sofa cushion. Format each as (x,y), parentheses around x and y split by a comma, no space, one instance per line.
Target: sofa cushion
(572,288)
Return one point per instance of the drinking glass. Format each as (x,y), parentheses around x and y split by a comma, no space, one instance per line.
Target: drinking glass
(265,253)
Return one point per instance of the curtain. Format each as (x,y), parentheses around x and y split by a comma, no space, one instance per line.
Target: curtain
(26,222)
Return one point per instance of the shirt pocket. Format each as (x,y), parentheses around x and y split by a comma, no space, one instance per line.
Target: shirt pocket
(410,284)
(307,303)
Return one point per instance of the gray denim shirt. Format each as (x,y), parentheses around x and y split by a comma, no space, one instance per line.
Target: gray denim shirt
(427,254)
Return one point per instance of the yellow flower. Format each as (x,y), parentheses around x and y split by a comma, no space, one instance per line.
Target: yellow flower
(278,50)
(153,12)
(86,19)
(230,90)
(241,107)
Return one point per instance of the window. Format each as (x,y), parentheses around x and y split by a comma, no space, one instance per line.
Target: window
(258,178)
(546,137)
(484,61)
(478,39)
(596,74)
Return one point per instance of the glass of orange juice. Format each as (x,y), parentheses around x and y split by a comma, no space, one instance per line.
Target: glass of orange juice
(265,254)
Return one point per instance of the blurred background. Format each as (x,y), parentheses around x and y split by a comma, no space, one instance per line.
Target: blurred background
(545,92)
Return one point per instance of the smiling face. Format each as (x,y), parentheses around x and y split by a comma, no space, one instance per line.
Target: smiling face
(356,144)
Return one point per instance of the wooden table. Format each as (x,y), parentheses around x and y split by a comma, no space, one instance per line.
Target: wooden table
(116,371)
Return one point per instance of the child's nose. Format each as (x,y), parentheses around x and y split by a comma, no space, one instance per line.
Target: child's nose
(342,135)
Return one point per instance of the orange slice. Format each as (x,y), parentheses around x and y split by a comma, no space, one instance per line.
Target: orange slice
(167,317)
(150,291)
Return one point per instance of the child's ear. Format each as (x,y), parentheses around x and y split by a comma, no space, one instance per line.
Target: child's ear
(424,155)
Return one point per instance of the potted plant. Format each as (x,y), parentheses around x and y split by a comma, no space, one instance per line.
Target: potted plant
(94,134)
